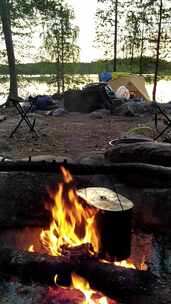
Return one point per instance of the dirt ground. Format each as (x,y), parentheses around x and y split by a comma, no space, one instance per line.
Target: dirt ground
(68,136)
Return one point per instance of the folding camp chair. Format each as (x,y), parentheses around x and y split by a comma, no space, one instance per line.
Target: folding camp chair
(159,110)
(24,116)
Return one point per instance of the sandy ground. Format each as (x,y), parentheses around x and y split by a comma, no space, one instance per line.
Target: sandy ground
(68,136)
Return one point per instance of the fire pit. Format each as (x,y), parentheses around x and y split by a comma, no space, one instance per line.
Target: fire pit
(70,251)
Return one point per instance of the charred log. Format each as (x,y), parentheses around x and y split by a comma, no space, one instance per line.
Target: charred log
(31,266)
(28,266)
(115,281)
(42,268)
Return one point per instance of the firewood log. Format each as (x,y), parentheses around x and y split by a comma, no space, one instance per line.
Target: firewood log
(32,266)
(110,279)
(115,281)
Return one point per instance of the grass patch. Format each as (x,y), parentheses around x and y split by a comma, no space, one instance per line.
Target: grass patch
(142,130)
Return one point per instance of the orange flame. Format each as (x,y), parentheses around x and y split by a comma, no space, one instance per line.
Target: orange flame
(73,223)
(126,264)
(82,285)
(31,248)
(123,263)
(91,296)
(143,265)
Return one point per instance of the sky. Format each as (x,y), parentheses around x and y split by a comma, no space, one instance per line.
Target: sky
(84,18)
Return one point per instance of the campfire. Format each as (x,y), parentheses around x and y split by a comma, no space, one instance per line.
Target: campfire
(74,232)
(73,220)
(76,246)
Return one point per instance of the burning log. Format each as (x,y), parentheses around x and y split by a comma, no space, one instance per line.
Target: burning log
(112,280)
(31,266)
(115,280)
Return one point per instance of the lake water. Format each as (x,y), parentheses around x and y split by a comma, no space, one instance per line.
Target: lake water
(33,86)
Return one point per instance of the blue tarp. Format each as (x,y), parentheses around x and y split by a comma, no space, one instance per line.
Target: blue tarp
(42,102)
(105,76)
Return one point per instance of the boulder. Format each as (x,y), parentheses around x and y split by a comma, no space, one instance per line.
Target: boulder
(124,110)
(86,100)
(49,158)
(129,138)
(100,114)
(141,152)
(57,112)
(92,158)
(133,108)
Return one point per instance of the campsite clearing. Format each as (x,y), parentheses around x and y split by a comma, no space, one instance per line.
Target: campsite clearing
(68,136)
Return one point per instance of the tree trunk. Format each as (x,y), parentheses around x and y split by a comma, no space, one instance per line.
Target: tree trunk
(132,55)
(58,74)
(62,51)
(6,24)
(157,50)
(115,35)
(141,53)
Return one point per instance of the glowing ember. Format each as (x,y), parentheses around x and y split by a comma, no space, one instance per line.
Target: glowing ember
(143,265)
(125,264)
(73,224)
(31,248)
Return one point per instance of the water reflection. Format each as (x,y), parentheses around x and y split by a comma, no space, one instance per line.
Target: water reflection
(163,93)
(38,84)
(43,84)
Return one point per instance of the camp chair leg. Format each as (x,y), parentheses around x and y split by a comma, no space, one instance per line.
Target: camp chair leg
(17,126)
(162,132)
(31,126)
(156,121)
(25,118)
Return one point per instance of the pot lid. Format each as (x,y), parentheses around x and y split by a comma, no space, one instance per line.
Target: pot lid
(105,199)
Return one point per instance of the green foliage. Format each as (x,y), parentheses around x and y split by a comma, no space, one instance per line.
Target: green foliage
(48,68)
(60,37)
(110,25)
(137,29)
